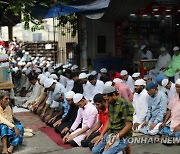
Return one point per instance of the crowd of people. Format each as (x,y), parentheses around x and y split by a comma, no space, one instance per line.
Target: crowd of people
(99,110)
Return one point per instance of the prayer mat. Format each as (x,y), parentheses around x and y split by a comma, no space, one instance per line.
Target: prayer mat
(50,132)
(30,120)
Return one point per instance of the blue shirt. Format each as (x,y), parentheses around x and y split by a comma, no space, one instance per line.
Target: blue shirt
(157,107)
(65,106)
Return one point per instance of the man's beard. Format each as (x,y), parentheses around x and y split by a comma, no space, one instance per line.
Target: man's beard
(139,90)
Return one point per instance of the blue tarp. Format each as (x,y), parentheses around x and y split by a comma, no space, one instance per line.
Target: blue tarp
(61,10)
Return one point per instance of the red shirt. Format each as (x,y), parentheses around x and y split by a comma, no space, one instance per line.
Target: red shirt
(103,118)
(116,75)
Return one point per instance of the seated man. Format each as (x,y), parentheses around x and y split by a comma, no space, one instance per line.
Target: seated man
(157,106)
(59,114)
(140,104)
(87,115)
(171,124)
(9,132)
(123,89)
(118,129)
(92,135)
(34,105)
(63,125)
(54,87)
(174,67)
(170,88)
(128,80)
(162,63)
(24,101)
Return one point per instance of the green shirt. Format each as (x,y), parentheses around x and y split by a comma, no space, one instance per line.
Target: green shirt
(173,66)
(120,113)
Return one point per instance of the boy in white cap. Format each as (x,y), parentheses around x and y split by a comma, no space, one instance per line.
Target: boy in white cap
(170,88)
(162,63)
(87,114)
(140,104)
(54,87)
(171,123)
(66,122)
(127,79)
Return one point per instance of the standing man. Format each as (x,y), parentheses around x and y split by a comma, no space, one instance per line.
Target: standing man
(113,138)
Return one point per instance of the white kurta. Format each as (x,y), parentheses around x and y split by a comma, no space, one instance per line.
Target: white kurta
(63,80)
(98,88)
(147,55)
(171,91)
(69,85)
(162,62)
(140,104)
(87,93)
(130,83)
(58,88)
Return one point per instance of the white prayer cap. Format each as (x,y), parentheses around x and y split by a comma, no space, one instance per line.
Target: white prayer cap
(41,64)
(28,71)
(20,63)
(82,76)
(77,97)
(136,75)
(69,94)
(37,58)
(48,65)
(178,81)
(93,73)
(54,76)
(108,83)
(74,67)
(143,47)
(44,62)
(26,53)
(164,82)
(48,82)
(50,70)
(24,69)
(47,74)
(18,58)
(49,59)
(65,66)
(117,80)
(108,90)
(140,82)
(23,51)
(103,70)
(15,69)
(69,65)
(43,78)
(162,49)
(51,62)
(176,48)
(32,58)
(38,70)
(40,75)
(34,62)
(124,72)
